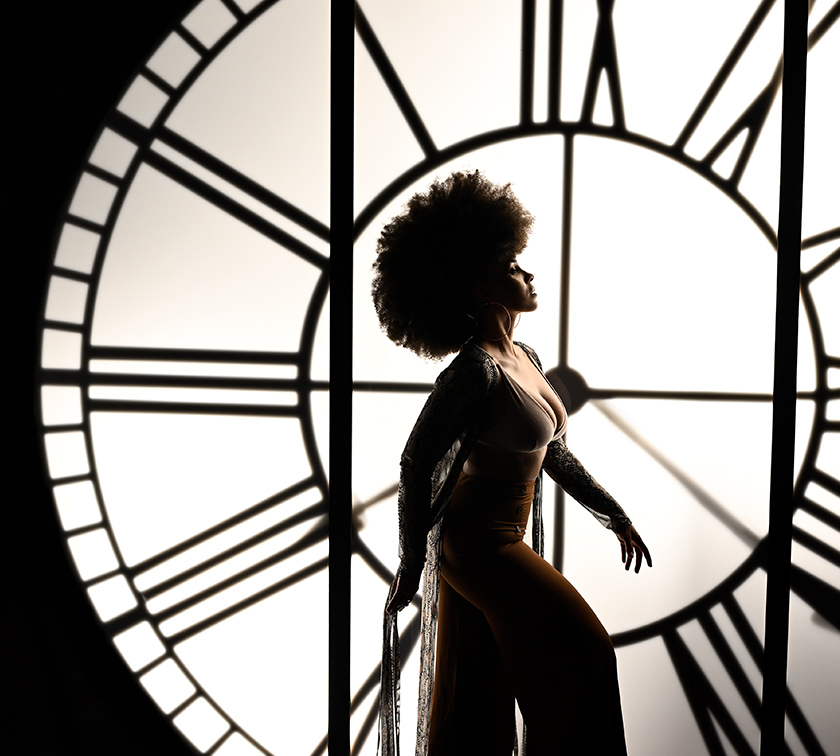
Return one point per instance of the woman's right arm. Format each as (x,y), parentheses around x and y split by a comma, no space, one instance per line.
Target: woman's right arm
(451,408)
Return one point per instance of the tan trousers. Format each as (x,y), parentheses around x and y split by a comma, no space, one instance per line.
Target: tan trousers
(511,626)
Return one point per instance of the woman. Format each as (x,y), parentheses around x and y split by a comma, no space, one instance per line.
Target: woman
(509,626)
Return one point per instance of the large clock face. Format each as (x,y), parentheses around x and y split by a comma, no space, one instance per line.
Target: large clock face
(185,347)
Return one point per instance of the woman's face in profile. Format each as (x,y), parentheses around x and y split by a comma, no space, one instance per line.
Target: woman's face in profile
(508,284)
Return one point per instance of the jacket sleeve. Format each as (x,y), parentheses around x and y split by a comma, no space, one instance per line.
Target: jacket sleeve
(452,409)
(565,469)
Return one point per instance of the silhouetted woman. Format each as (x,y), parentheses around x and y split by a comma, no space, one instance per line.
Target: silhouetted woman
(509,626)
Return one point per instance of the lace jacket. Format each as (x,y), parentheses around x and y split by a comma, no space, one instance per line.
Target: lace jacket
(434,455)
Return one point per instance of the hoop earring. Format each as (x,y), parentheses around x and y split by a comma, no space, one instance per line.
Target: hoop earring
(504,333)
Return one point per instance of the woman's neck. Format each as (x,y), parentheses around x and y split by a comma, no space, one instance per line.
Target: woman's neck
(500,349)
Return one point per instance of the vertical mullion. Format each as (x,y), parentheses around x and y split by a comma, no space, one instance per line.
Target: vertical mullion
(784,377)
(341,366)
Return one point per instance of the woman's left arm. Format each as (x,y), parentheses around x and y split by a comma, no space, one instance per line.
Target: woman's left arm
(566,470)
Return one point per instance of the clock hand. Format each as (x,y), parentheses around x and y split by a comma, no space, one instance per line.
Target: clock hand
(359,507)
(746,535)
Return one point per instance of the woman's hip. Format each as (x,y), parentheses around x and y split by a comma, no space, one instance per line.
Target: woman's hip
(485,513)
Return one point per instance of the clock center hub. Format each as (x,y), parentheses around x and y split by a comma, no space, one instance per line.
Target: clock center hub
(570,385)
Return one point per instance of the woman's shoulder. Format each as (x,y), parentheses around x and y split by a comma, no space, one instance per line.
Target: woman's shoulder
(471,364)
(530,352)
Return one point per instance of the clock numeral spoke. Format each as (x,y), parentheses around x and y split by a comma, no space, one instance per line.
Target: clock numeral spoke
(703,497)
(526,86)
(190,356)
(825,23)
(753,645)
(306,487)
(395,86)
(532,30)
(820,595)
(126,621)
(817,545)
(234,551)
(100,401)
(314,537)
(827,481)
(240,182)
(694,396)
(604,64)
(396,387)
(209,192)
(127,379)
(555,22)
(705,703)
(236,563)
(827,262)
(731,664)
(752,119)
(200,626)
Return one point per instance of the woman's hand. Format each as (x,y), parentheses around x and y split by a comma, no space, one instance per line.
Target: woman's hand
(632,543)
(403,589)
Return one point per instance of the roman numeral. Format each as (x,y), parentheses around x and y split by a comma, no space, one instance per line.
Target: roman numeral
(395,86)
(704,686)
(817,593)
(240,197)
(126,379)
(604,66)
(532,32)
(752,119)
(828,261)
(236,563)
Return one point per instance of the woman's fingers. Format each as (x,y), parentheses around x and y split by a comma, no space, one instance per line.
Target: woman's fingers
(633,547)
(401,593)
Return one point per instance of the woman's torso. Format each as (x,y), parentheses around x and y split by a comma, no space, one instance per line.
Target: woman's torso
(525,416)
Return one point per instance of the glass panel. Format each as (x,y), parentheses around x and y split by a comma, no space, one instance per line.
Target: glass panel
(77,505)
(173,60)
(112,597)
(93,199)
(201,724)
(66,454)
(139,645)
(61,350)
(168,685)
(113,153)
(77,248)
(143,101)
(263,106)
(209,21)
